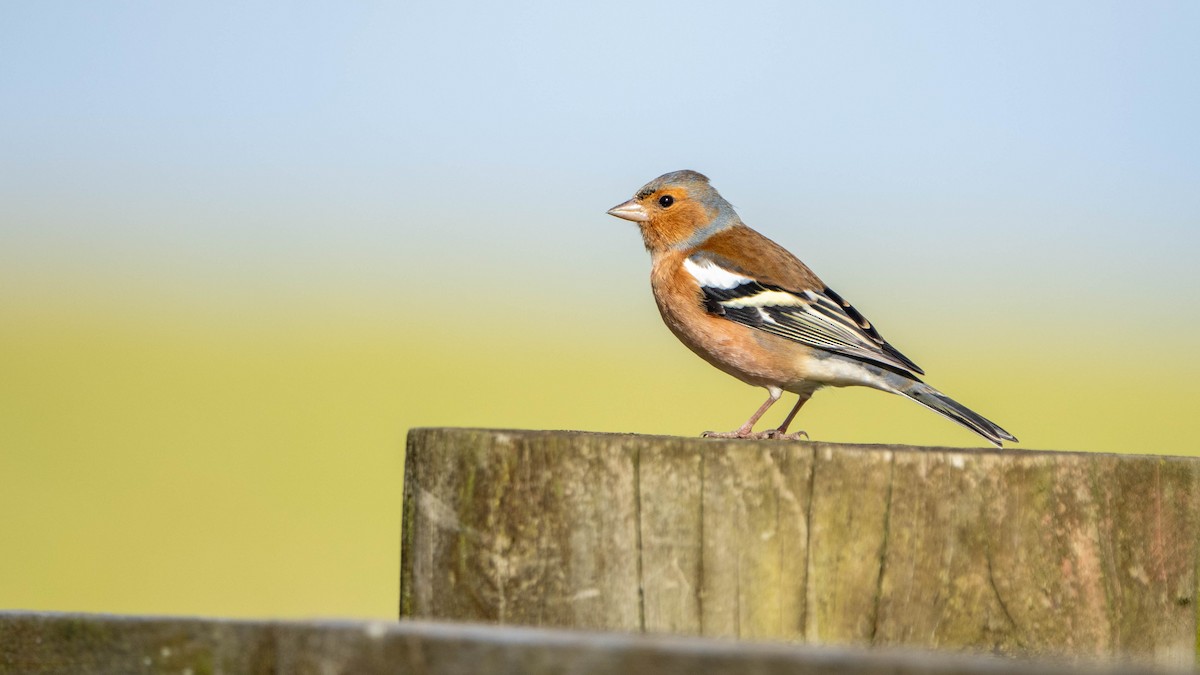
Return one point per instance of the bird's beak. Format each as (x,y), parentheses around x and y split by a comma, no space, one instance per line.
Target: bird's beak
(630,210)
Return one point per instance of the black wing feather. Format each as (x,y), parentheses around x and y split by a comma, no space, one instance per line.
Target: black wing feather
(823,320)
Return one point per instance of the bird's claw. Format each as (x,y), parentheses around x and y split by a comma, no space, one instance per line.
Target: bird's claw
(770,434)
(776,435)
(729,434)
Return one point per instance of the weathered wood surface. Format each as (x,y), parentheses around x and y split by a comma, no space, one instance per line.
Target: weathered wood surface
(1012,552)
(36,644)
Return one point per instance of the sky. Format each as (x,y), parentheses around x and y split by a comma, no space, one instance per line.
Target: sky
(366,144)
(245,247)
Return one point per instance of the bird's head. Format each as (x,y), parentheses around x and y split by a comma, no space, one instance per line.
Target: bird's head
(677,210)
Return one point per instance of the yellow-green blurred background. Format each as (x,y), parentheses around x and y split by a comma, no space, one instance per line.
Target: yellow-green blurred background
(243,250)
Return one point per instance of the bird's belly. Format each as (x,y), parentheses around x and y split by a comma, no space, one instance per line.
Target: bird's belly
(731,356)
(765,360)
(735,349)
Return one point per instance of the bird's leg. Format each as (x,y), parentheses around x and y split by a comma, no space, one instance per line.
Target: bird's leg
(746,430)
(781,433)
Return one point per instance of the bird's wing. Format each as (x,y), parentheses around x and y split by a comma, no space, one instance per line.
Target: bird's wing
(818,318)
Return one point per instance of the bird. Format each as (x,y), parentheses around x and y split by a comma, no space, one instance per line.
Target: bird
(750,308)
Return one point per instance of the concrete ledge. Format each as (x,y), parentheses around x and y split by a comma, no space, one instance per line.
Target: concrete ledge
(1006,551)
(36,643)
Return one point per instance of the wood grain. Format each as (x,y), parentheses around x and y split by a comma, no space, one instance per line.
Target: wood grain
(1004,551)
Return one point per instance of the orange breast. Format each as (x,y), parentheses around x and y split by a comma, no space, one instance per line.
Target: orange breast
(753,356)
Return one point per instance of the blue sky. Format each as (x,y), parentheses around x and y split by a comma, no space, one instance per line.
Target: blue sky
(370,145)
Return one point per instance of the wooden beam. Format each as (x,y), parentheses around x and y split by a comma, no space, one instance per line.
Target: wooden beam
(35,644)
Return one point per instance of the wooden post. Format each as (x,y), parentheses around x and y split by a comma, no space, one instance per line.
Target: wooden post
(1011,551)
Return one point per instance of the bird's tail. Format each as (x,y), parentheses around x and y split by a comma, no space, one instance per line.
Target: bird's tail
(937,401)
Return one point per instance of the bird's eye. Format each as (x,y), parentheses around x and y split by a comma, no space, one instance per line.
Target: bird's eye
(665,201)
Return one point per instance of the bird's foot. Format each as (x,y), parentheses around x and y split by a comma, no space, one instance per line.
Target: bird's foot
(740,433)
(746,434)
(777,435)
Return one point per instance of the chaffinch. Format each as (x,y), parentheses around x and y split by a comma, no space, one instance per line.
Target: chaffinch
(753,310)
